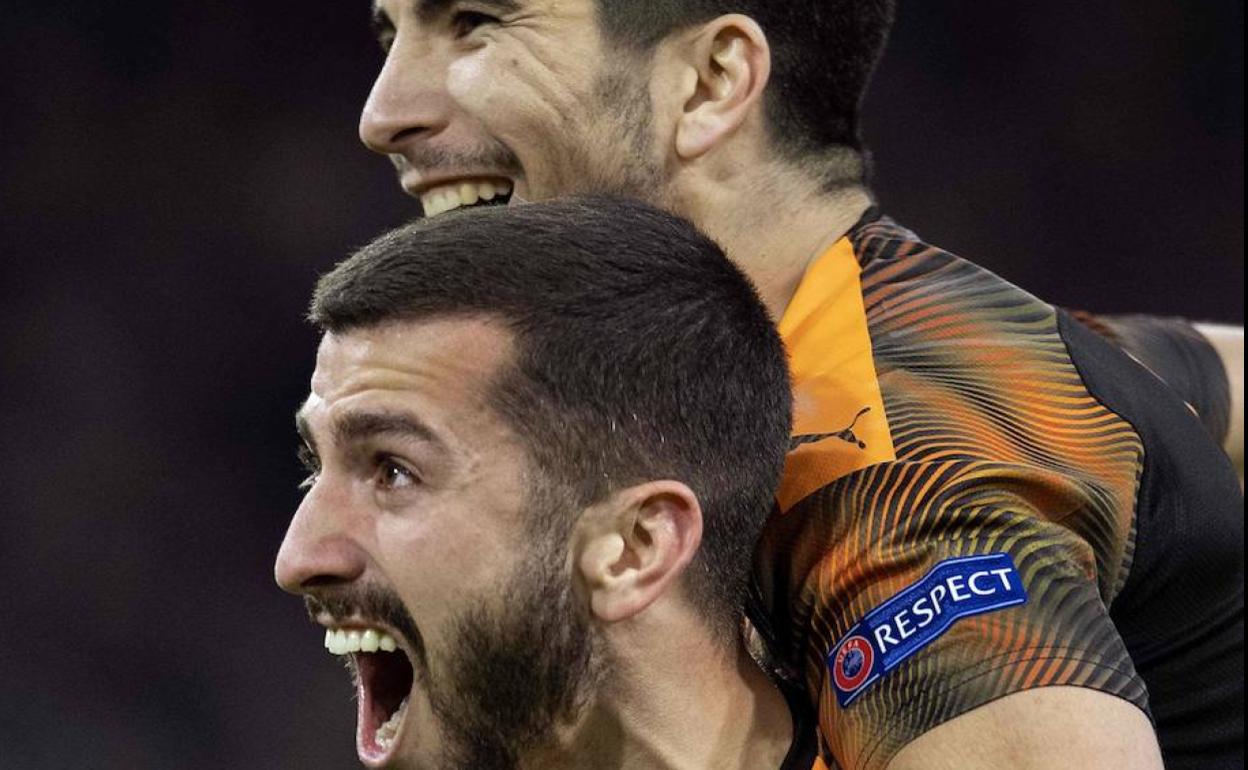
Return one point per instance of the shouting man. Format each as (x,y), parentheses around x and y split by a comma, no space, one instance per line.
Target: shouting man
(542,444)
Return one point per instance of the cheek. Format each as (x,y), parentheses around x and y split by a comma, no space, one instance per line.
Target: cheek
(467,78)
(423,573)
(438,563)
(492,95)
(490,85)
(515,95)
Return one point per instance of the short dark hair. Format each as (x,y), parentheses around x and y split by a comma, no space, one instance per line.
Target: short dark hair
(823,54)
(641,353)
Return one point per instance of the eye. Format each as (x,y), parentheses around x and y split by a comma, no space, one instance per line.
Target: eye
(464,23)
(394,475)
(311,463)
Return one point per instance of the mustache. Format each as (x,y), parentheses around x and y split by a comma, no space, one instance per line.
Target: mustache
(369,603)
(495,156)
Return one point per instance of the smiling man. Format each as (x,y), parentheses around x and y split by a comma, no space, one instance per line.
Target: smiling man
(949,425)
(542,444)
(745,123)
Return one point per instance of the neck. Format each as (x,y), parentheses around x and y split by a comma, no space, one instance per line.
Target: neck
(772,222)
(688,707)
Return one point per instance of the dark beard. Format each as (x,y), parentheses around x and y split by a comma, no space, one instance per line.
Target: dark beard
(511,676)
(516,675)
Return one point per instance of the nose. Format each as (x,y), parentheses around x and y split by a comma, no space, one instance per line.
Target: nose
(408,100)
(318,550)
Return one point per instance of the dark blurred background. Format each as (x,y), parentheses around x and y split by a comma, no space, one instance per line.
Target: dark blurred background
(175,174)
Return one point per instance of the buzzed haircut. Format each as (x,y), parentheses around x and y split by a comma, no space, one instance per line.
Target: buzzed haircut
(640,353)
(822,55)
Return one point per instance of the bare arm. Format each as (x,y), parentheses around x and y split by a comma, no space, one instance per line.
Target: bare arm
(1041,729)
(1228,341)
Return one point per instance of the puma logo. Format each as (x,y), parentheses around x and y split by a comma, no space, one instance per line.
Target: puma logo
(846,434)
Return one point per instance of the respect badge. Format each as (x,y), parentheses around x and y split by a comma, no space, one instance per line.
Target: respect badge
(918,615)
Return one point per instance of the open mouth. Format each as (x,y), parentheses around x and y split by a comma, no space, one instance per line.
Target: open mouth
(384,679)
(469,192)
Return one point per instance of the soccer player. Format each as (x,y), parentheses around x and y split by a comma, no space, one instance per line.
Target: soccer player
(542,443)
(952,430)
(817,135)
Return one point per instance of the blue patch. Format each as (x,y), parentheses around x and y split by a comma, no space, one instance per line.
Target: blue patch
(914,618)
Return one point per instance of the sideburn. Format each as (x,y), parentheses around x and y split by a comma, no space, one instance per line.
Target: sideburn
(621,93)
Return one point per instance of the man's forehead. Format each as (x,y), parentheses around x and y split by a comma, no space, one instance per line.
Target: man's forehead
(436,372)
(441,356)
(413,337)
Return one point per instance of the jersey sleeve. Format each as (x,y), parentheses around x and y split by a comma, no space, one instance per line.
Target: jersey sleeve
(1179,355)
(909,593)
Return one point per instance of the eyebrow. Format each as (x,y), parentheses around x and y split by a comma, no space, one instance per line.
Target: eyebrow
(381,21)
(355,426)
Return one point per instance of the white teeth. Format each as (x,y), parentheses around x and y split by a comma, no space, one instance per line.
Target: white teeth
(336,642)
(431,202)
(341,642)
(389,730)
(446,200)
(440,200)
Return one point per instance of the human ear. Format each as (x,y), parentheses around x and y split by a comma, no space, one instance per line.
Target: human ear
(728,64)
(631,548)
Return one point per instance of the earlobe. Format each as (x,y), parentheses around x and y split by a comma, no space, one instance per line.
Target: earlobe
(633,547)
(731,66)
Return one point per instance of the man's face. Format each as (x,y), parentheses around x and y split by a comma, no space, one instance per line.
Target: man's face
(420,530)
(478,97)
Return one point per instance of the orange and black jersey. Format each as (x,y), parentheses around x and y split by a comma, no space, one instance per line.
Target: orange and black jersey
(984,496)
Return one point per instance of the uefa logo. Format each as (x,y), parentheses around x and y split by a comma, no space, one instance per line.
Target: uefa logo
(853,663)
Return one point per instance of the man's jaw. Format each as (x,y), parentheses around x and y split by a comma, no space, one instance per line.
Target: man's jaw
(385,678)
